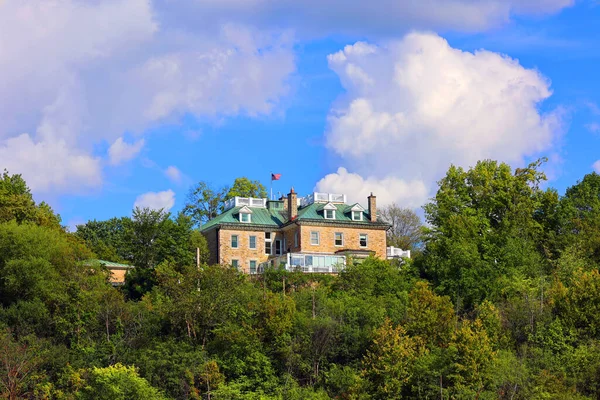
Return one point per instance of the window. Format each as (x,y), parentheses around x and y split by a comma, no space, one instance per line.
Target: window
(234,264)
(252,266)
(268,242)
(252,244)
(338,238)
(363,239)
(296,239)
(314,238)
(278,247)
(357,215)
(234,241)
(245,217)
(329,214)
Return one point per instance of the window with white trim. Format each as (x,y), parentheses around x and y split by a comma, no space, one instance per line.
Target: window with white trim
(234,241)
(245,217)
(253,266)
(252,242)
(268,242)
(338,238)
(329,214)
(357,215)
(235,264)
(314,238)
(278,248)
(363,240)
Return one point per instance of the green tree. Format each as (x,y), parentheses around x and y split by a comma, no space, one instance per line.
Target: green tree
(388,365)
(485,226)
(16,203)
(118,382)
(244,187)
(204,202)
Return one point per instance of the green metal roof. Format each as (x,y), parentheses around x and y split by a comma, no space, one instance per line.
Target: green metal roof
(260,216)
(314,211)
(276,218)
(109,264)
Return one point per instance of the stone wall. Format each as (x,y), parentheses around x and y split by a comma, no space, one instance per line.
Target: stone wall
(376,239)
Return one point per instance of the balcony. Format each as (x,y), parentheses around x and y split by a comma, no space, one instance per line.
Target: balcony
(317,197)
(394,252)
(244,201)
(307,262)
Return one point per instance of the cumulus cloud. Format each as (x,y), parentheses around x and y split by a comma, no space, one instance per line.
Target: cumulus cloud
(82,72)
(388,190)
(173,173)
(383,17)
(121,151)
(156,200)
(596,166)
(50,166)
(417,105)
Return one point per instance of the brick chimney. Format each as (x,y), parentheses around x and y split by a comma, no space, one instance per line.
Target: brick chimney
(292,203)
(372,207)
(285,203)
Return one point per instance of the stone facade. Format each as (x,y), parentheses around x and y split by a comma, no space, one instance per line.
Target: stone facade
(376,239)
(288,227)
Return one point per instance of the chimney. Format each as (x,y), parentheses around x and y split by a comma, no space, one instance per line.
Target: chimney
(285,203)
(372,207)
(292,203)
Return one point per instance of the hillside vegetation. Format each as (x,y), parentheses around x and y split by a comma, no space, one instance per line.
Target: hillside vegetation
(501,301)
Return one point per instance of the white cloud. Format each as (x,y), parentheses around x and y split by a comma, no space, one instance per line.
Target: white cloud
(121,151)
(596,166)
(418,105)
(85,72)
(594,127)
(173,173)
(156,200)
(50,166)
(377,17)
(388,190)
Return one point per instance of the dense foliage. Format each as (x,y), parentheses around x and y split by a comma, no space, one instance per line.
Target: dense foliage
(503,302)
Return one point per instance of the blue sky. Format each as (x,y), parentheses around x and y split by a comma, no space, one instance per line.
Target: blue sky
(122,102)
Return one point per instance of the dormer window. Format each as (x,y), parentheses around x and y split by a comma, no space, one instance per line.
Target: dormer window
(356,212)
(329,211)
(245,215)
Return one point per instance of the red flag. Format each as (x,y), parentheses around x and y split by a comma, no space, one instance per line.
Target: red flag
(275,177)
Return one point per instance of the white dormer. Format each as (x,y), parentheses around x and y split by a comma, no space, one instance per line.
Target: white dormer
(245,214)
(329,211)
(357,212)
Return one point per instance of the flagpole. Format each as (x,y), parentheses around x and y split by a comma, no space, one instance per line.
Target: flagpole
(271,186)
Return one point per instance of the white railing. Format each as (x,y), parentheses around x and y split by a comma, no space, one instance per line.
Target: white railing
(395,252)
(307,262)
(318,197)
(244,201)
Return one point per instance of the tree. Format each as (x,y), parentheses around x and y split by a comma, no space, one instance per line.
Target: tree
(244,187)
(205,202)
(19,364)
(16,203)
(485,228)
(118,382)
(406,231)
(580,217)
(388,365)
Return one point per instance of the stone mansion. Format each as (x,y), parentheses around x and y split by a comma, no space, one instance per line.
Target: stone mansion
(316,233)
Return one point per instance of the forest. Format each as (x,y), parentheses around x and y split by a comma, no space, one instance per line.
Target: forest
(501,300)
